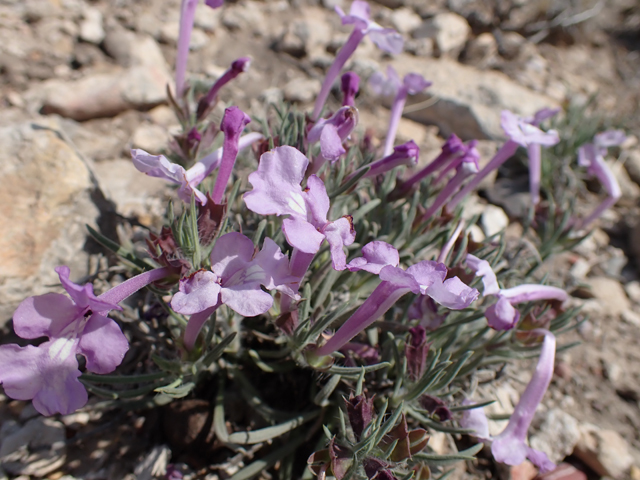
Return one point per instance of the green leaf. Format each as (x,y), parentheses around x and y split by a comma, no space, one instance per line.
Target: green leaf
(123,379)
(269,460)
(322,397)
(268,433)
(123,253)
(443,460)
(218,350)
(177,389)
(356,371)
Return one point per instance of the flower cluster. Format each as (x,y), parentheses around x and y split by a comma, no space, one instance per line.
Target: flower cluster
(349,260)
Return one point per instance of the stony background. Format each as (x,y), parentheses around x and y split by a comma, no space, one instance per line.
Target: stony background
(82,82)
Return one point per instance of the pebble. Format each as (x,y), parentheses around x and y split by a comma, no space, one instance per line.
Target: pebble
(449,31)
(604,451)
(557,435)
(150,137)
(564,471)
(493,220)
(91,29)
(610,294)
(303,90)
(481,52)
(404,20)
(633,290)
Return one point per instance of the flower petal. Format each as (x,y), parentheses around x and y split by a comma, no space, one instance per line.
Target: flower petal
(276,183)
(231,253)
(340,233)
(376,256)
(330,143)
(197,293)
(428,272)
(399,278)
(103,344)
(386,39)
(453,293)
(83,295)
(19,373)
(44,315)
(483,269)
(246,299)
(302,235)
(502,315)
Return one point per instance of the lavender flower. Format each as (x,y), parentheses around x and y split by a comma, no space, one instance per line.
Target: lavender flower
(332,131)
(412,83)
(48,374)
(187,15)
(405,154)
(277,191)
(467,165)
(233,123)
(591,155)
(159,166)
(452,149)
(234,280)
(502,315)
(350,84)
(359,16)
(238,66)
(510,446)
(423,278)
(521,132)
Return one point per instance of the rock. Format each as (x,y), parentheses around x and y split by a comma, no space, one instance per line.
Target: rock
(604,451)
(449,32)
(479,13)
(633,290)
(134,193)
(404,20)
(91,29)
(302,90)
(510,44)
(49,189)
(420,47)
(37,449)
(631,160)
(293,40)
(154,464)
(628,188)
(140,86)
(207,18)
(391,3)
(481,52)
(557,435)
(610,294)
(631,317)
(467,101)
(493,220)
(246,16)
(525,471)
(149,137)
(564,471)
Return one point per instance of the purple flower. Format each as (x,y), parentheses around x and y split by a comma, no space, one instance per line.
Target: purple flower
(159,166)
(424,309)
(48,374)
(386,39)
(412,84)
(466,166)
(502,315)
(350,84)
(483,269)
(277,191)
(238,66)
(187,16)
(233,123)
(405,154)
(521,132)
(510,446)
(591,155)
(332,131)
(423,278)
(360,413)
(452,149)
(234,280)
(375,256)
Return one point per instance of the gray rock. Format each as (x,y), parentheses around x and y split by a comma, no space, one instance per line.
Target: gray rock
(557,435)
(149,137)
(493,220)
(49,189)
(605,451)
(482,51)
(467,101)
(610,294)
(631,160)
(141,86)
(294,39)
(302,90)
(449,32)
(404,20)
(36,449)
(91,29)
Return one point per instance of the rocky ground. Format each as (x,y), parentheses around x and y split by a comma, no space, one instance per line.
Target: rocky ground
(82,82)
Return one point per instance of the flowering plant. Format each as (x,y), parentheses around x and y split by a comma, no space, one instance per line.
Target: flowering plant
(347,268)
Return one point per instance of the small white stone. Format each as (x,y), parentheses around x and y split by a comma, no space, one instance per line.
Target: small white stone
(493,220)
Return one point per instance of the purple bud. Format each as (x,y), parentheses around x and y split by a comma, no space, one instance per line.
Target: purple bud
(214,3)
(416,352)
(373,466)
(350,86)
(360,413)
(341,459)
(237,67)
(232,125)
(436,406)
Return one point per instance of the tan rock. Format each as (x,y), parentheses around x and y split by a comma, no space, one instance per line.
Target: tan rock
(610,294)
(605,451)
